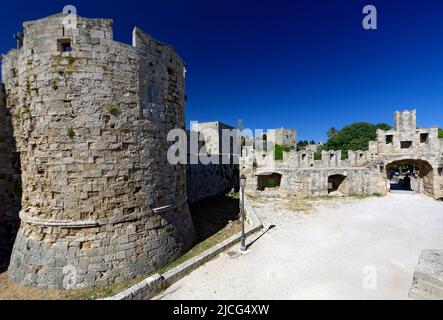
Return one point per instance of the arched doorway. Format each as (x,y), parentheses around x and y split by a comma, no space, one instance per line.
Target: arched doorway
(412,175)
(337,183)
(268,181)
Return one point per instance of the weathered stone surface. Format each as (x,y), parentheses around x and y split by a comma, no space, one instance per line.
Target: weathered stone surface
(10,190)
(206,180)
(282,136)
(428,277)
(363,172)
(91,125)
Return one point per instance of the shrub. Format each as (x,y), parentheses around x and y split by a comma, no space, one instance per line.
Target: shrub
(112,109)
(71,133)
(54,84)
(279,149)
(271,183)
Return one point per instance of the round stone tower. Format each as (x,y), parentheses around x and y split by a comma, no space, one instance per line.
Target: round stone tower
(100,204)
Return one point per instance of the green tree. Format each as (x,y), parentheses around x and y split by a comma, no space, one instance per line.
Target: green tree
(353,137)
(278,155)
(440,133)
(331,132)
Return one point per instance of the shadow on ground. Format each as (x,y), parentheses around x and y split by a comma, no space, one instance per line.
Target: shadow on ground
(272,226)
(212,215)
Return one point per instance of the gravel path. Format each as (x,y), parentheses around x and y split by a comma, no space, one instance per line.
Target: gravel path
(345,249)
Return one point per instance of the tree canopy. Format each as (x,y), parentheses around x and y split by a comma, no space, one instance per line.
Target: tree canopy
(302,144)
(440,133)
(353,137)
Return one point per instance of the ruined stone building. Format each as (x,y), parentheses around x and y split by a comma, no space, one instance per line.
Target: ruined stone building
(282,136)
(363,172)
(90,117)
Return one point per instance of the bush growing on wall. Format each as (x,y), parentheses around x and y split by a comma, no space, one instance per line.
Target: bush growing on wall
(279,149)
(271,183)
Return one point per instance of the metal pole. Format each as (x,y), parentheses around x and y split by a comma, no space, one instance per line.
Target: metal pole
(243,238)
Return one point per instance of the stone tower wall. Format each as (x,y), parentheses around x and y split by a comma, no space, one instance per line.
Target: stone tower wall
(283,136)
(101,204)
(10,191)
(405,121)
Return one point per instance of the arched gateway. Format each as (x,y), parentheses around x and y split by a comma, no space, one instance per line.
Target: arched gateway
(406,153)
(411,174)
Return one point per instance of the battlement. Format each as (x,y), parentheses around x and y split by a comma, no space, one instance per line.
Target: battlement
(362,171)
(405,121)
(91,118)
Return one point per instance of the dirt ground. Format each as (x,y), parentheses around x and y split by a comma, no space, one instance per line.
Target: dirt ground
(215,220)
(342,248)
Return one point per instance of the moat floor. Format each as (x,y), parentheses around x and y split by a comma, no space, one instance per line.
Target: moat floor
(344,249)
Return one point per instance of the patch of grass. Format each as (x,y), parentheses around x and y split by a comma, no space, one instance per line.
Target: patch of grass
(379,195)
(99,293)
(70,60)
(365,196)
(18,114)
(217,238)
(54,84)
(271,183)
(298,205)
(319,198)
(22,292)
(70,133)
(28,86)
(112,110)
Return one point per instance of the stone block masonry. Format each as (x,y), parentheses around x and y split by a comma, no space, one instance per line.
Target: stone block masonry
(90,119)
(363,172)
(10,189)
(427,283)
(209,180)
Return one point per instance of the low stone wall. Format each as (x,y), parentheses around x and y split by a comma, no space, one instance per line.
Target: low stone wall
(428,277)
(314,182)
(154,285)
(206,181)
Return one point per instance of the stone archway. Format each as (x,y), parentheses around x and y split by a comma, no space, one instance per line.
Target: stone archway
(414,174)
(338,183)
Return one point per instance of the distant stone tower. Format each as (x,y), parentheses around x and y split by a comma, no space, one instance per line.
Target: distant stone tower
(405,121)
(101,204)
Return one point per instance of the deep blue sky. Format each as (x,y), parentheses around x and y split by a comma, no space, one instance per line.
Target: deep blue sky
(303,64)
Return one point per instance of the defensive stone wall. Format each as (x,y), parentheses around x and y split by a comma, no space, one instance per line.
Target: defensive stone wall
(282,136)
(10,189)
(218,177)
(364,171)
(101,204)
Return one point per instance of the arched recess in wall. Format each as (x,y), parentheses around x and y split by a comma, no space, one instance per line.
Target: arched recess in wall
(338,182)
(268,180)
(421,177)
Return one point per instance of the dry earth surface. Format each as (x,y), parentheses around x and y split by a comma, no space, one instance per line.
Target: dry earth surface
(342,248)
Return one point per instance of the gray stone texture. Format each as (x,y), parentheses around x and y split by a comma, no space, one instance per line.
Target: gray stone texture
(218,177)
(91,126)
(282,136)
(10,189)
(363,172)
(428,276)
